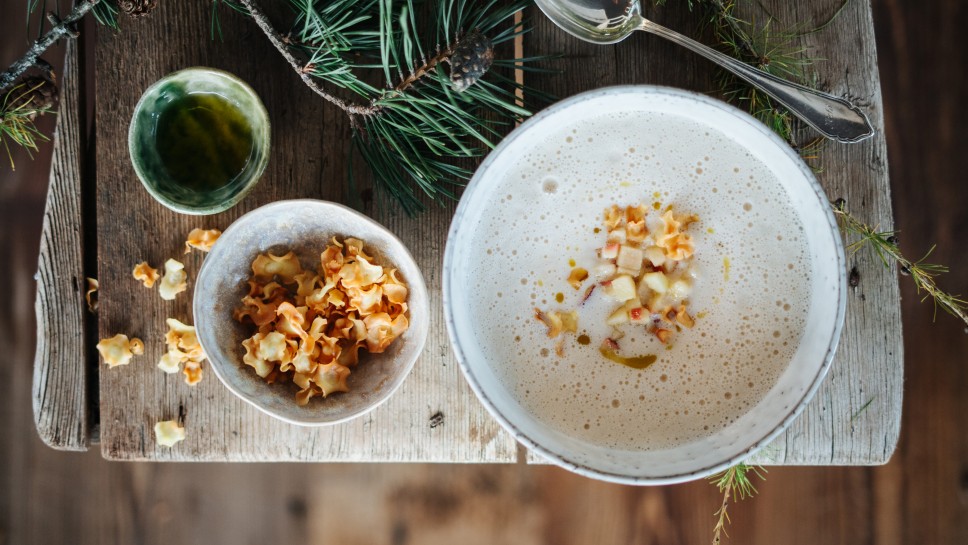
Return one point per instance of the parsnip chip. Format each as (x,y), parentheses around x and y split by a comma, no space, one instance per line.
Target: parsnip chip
(360,273)
(366,301)
(183,350)
(118,350)
(168,432)
(174,281)
(192,372)
(146,274)
(312,324)
(677,245)
(273,347)
(381,330)
(268,265)
(171,360)
(91,294)
(558,321)
(331,377)
(613,217)
(202,239)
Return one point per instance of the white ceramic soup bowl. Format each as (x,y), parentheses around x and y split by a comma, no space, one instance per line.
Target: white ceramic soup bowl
(824,272)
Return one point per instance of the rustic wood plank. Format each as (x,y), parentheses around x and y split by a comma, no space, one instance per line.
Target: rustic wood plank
(297,171)
(60,393)
(835,428)
(869,364)
(309,159)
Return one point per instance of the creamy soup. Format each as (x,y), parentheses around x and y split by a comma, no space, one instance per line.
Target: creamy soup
(749,296)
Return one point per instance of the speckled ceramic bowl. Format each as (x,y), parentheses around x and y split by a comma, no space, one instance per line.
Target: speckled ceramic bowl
(305,227)
(674,128)
(143,149)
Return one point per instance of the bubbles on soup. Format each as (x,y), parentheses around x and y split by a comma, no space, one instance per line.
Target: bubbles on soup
(542,221)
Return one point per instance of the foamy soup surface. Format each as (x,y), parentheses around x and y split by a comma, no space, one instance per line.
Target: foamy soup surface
(750,297)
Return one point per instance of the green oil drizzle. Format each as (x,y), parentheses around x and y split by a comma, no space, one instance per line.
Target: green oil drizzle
(635,362)
(204,141)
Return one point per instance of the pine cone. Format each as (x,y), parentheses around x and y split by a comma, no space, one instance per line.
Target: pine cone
(137,8)
(32,93)
(472,57)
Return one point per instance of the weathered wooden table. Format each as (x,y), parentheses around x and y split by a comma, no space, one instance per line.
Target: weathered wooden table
(100,222)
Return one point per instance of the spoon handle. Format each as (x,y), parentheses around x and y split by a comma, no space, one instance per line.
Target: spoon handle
(833,117)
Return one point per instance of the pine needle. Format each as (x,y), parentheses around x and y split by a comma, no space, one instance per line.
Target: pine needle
(17,121)
(106,13)
(735,485)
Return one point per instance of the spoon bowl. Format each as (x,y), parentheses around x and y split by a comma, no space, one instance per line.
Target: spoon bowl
(596,21)
(611,21)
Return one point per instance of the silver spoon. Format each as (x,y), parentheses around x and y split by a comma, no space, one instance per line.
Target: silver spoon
(611,21)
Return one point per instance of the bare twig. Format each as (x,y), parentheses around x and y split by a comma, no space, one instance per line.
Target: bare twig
(279,42)
(735,484)
(720,527)
(62,28)
(425,69)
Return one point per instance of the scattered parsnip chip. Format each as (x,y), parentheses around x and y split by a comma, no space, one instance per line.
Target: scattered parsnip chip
(183,349)
(174,281)
(146,274)
(91,294)
(118,350)
(202,239)
(168,432)
(558,321)
(192,372)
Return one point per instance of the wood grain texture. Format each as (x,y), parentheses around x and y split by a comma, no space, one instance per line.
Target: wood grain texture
(835,428)
(309,158)
(919,497)
(60,393)
(868,366)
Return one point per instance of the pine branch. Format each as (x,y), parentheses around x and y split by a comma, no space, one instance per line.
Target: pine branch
(884,244)
(302,70)
(62,28)
(410,131)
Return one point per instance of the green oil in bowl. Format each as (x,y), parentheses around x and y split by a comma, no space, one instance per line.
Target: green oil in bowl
(204,141)
(199,140)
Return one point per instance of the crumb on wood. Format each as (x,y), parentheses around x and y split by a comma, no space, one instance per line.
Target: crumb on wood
(854,278)
(436,420)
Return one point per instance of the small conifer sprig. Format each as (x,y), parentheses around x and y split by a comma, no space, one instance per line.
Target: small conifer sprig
(415,129)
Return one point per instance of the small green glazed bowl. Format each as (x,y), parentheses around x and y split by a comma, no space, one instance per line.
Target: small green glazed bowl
(147,148)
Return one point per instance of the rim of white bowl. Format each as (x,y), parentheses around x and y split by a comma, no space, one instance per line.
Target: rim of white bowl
(562,460)
(417,283)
